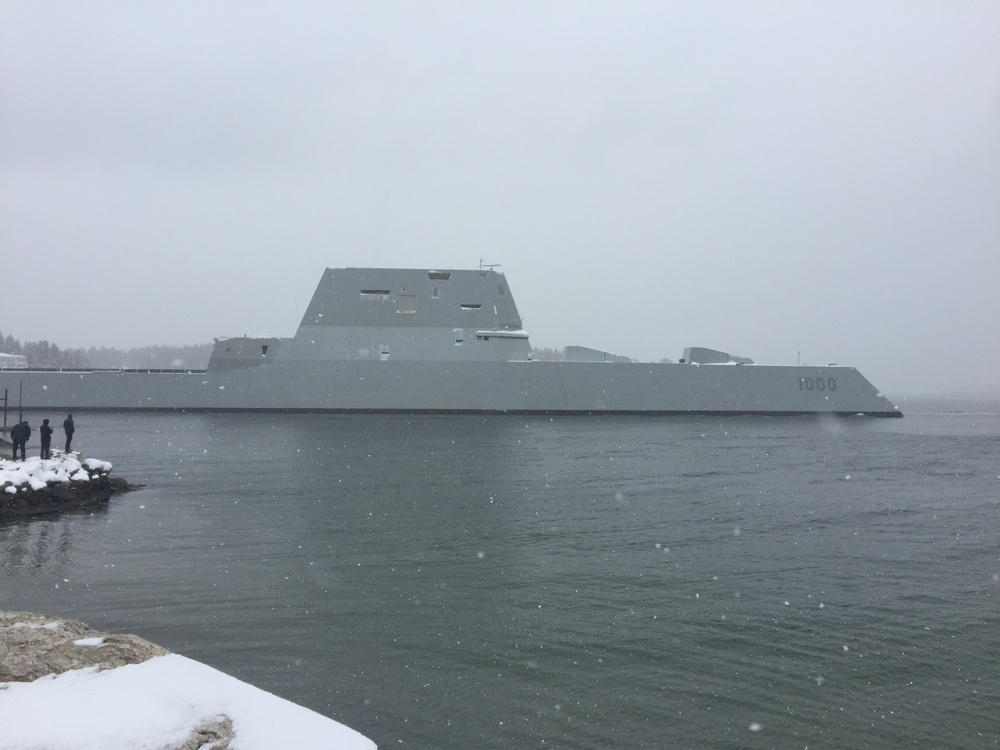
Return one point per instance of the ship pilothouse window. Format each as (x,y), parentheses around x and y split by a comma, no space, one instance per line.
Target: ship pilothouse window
(439,275)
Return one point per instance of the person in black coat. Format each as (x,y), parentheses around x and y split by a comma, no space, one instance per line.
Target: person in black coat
(46,434)
(15,439)
(69,429)
(19,435)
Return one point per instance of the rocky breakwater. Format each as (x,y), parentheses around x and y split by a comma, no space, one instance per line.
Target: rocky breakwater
(49,485)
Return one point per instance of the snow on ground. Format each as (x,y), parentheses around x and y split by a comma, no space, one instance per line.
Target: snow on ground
(155,705)
(37,472)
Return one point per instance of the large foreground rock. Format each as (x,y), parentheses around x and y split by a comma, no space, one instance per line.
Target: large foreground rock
(66,686)
(33,646)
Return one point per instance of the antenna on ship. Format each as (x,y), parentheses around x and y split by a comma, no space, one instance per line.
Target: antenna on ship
(487,266)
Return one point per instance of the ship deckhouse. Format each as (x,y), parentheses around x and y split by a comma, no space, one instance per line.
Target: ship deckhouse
(413,315)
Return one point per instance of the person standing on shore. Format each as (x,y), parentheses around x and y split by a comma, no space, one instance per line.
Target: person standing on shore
(69,428)
(19,435)
(46,434)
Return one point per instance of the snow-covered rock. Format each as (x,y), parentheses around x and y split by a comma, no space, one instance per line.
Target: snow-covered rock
(63,482)
(64,686)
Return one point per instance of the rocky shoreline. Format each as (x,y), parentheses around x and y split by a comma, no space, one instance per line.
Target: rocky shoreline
(58,498)
(63,483)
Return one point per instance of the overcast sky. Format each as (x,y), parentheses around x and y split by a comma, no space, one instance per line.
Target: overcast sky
(782,180)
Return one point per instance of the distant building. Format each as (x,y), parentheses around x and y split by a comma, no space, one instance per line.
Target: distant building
(13,362)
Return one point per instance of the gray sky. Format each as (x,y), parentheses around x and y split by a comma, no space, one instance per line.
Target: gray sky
(767,178)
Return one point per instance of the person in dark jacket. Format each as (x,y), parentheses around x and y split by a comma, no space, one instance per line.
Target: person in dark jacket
(46,434)
(19,435)
(15,440)
(69,429)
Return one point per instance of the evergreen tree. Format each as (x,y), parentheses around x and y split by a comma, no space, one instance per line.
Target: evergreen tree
(10,345)
(546,353)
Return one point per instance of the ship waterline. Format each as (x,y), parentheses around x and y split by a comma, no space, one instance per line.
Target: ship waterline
(408,340)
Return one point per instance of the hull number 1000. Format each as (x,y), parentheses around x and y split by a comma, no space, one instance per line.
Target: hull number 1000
(817,384)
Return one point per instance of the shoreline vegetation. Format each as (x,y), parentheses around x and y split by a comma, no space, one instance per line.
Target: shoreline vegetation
(47,354)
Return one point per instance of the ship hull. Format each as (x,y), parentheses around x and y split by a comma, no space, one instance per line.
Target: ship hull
(498,387)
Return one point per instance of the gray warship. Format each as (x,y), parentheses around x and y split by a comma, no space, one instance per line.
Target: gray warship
(419,340)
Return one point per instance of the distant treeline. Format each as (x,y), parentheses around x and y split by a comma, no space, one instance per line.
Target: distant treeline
(46,354)
(545,353)
(43,353)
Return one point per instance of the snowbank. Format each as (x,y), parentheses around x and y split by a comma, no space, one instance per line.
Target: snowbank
(160,703)
(157,704)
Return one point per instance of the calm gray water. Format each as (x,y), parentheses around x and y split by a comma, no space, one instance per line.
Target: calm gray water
(512,582)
